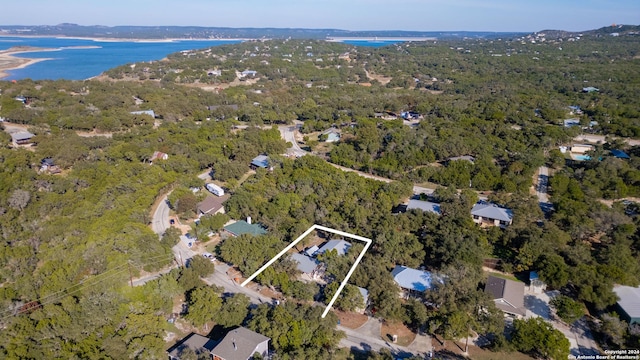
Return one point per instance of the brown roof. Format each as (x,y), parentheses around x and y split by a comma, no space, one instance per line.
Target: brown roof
(507,294)
(212,204)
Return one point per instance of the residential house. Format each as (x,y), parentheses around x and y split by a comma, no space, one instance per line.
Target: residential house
(21,137)
(590,89)
(620,154)
(628,305)
(244,227)
(574,109)
(260,161)
(310,268)
(412,281)
(489,214)
(197,343)
(332,136)
(581,148)
(250,73)
(427,206)
(157,155)
(144,112)
(508,295)
(241,344)
(49,166)
(212,205)
(571,122)
(340,246)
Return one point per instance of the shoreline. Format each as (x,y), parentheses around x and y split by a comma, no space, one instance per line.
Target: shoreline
(108,39)
(8,60)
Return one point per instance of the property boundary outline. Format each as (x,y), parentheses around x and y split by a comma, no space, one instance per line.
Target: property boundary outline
(304,234)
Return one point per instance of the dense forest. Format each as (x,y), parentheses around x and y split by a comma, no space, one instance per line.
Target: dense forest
(70,241)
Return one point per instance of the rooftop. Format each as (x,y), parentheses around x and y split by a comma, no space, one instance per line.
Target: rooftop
(21,135)
(212,204)
(491,211)
(408,278)
(340,246)
(424,206)
(238,344)
(629,300)
(194,342)
(620,154)
(242,227)
(305,264)
(261,161)
(507,294)
(144,112)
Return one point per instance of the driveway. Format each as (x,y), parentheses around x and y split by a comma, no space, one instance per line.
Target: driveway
(367,337)
(579,335)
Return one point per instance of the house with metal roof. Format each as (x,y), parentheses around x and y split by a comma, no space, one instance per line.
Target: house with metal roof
(260,161)
(628,305)
(489,214)
(508,295)
(620,154)
(144,112)
(21,137)
(310,268)
(412,281)
(427,206)
(340,246)
(242,227)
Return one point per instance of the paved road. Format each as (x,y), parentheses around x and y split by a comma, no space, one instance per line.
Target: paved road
(288,133)
(160,221)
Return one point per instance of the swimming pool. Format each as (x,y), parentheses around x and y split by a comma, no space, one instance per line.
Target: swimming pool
(582,157)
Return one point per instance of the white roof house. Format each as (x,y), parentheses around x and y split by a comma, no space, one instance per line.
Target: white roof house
(340,246)
(424,206)
(485,213)
(629,303)
(412,280)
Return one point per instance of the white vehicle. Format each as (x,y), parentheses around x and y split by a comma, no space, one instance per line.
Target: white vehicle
(215,189)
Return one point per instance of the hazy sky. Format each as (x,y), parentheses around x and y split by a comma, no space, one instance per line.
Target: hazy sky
(426,15)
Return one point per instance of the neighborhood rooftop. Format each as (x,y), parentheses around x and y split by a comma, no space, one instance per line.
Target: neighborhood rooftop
(238,344)
(340,246)
(212,204)
(194,342)
(491,211)
(242,227)
(629,301)
(508,295)
(412,279)
(304,263)
(424,206)
(260,161)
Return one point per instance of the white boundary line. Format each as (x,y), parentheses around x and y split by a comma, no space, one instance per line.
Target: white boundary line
(290,246)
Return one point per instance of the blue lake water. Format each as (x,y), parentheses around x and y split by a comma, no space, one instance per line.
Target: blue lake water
(80,63)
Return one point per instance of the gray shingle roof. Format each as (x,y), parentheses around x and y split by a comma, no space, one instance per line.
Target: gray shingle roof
(21,135)
(629,300)
(424,206)
(491,211)
(195,342)
(340,246)
(239,344)
(412,279)
(508,295)
(305,264)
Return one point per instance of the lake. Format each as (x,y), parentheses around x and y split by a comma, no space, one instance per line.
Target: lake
(100,55)
(73,63)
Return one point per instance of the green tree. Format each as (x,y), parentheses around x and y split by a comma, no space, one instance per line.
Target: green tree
(204,302)
(233,311)
(567,309)
(538,337)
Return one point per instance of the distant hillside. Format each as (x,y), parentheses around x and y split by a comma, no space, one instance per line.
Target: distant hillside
(607,30)
(168,32)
